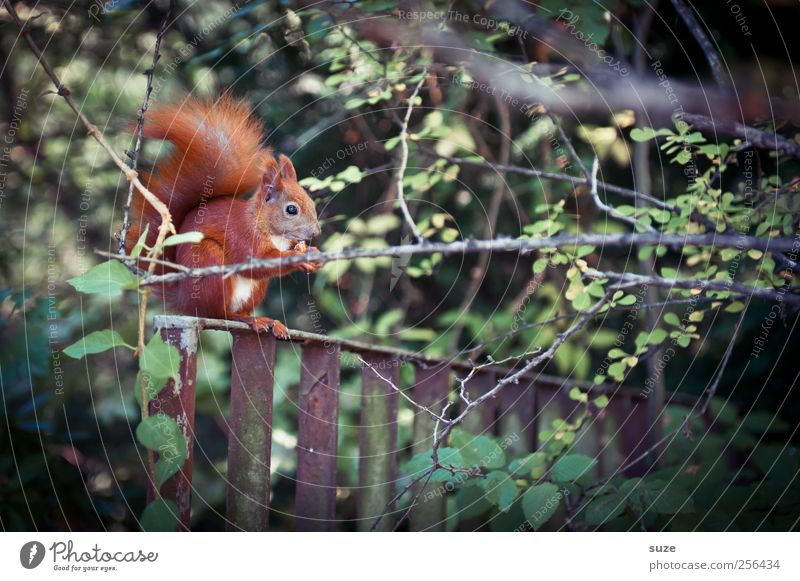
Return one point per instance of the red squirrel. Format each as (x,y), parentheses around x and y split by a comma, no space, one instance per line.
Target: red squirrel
(217,160)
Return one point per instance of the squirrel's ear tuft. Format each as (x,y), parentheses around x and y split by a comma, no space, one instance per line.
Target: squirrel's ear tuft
(269,181)
(287,169)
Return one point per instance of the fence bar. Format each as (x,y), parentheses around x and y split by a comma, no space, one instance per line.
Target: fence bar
(632,423)
(250,438)
(517,415)
(317,438)
(481,420)
(431,389)
(176,400)
(377,467)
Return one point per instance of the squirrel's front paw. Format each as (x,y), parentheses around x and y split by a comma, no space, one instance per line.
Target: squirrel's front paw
(265,324)
(314,265)
(309,267)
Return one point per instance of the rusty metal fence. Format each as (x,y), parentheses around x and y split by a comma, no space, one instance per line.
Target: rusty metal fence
(619,432)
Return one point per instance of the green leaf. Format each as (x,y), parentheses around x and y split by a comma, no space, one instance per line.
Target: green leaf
(582,301)
(159,360)
(111,277)
(501,490)
(165,469)
(160,516)
(600,401)
(540,265)
(422,462)
(96,342)
(627,300)
(604,509)
(137,249)
(540,502)
(161,433)
(571,467)
(382,223)
(351,174)
(535,463)
(735,307)
(648,133)
(477,450)
(185,238)
(672,499)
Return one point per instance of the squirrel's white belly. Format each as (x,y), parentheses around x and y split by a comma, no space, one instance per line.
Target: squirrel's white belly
(282,243)
(242,291)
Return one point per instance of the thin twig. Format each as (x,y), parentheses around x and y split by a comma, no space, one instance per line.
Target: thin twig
(562,177)
(756,137)
(403,162)
(158,261)
(551,320)
(391,384)
(134,155)
(166,220)
(717,69)
(611,211)
(696,285)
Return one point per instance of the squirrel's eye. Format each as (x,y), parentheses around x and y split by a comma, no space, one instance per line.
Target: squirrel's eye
(291,209)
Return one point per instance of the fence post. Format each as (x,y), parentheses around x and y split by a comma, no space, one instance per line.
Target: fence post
(482,419)
(377,467)
(518,415)
(431,389)
(176,400)
(631,418)
(317,437)
(250,435)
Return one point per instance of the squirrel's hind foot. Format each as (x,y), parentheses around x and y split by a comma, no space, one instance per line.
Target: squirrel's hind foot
(266,324)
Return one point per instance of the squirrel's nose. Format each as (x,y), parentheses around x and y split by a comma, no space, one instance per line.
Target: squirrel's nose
(317,230)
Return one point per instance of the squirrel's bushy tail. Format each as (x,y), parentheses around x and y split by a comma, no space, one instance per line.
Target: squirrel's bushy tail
(217,152)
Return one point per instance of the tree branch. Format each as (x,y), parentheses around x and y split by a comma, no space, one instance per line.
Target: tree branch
(674,241)
(401,169)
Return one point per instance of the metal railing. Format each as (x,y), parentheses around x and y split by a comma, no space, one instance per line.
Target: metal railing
(621,430)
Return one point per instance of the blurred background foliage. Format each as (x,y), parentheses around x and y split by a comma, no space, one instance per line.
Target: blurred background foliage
(330,97)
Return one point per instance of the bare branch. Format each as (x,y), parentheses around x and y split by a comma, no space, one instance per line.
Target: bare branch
(699,34)
(610,210)
(134,155)
(697,285)
(403,163)
(561,177)
(760,139)
(391,384)
(132,176)
(498,245)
